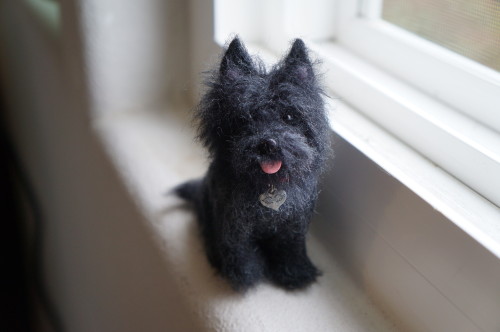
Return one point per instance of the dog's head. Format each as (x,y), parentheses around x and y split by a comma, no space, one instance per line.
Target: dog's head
(268,125)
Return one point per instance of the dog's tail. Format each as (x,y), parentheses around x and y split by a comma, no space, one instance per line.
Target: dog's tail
(190,190)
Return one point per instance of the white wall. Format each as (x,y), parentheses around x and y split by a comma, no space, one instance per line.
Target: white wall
(135,52)
(102,269)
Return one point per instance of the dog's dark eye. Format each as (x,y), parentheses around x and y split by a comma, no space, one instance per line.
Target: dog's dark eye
(291,119)
(288,118)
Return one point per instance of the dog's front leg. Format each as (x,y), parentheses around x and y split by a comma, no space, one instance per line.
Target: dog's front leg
(287,262)
(237,258)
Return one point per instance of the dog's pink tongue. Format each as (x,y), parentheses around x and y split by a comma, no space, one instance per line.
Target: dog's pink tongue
(270,167)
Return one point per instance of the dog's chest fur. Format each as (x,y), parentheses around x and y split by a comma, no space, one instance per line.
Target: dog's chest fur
(240,203)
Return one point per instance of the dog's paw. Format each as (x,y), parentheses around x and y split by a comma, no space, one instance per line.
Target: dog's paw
(242,276)
(296,276)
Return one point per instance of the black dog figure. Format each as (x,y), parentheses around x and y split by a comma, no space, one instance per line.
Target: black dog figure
(268,138)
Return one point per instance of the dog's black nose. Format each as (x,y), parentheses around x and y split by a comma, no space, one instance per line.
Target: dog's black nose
(268,145)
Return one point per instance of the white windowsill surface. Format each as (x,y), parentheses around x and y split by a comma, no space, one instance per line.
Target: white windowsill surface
(154,151)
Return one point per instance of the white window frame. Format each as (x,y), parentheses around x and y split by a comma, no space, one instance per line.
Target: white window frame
(443,106)
(450,90)
(438,72)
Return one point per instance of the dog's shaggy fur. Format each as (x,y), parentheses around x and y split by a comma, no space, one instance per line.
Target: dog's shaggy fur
(266,132)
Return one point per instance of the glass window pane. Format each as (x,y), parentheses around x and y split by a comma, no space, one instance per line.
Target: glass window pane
(467,27)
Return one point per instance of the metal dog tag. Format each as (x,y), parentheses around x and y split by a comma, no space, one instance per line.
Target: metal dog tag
(273,198)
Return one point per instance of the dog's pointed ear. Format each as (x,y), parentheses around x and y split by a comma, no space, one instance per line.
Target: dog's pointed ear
(297,65)
(236,62)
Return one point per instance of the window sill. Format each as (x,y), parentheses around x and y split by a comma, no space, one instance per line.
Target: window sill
(153,152)
(412,243)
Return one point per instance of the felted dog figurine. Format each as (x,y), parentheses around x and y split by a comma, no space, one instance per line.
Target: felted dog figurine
(268,138)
